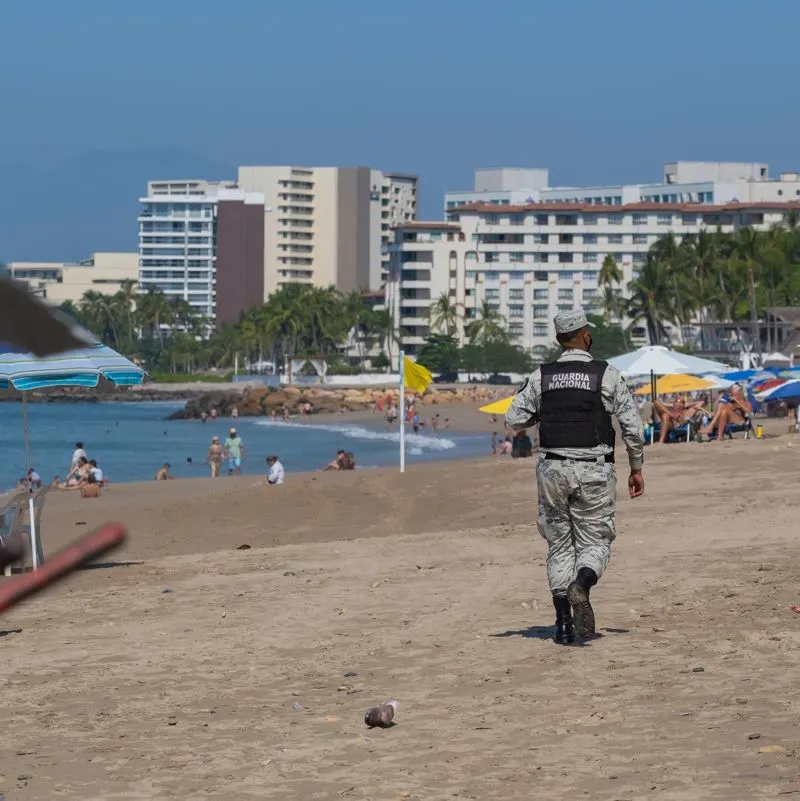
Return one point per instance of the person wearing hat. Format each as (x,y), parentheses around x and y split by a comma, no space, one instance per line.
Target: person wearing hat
(234,451)
(216,453)
(573,400)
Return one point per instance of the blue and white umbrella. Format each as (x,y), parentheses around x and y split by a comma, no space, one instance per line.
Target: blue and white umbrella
(83,367)
(788,391)
(74,368)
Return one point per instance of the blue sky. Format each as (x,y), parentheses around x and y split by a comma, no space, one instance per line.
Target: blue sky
(95,94)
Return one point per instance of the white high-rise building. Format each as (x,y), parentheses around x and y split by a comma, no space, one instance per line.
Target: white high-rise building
(709,182)
(329,225)
(203,247)
(532,261)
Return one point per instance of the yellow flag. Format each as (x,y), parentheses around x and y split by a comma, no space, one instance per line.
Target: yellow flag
(416,376)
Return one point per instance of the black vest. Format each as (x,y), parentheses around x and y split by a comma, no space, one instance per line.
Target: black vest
(572,412)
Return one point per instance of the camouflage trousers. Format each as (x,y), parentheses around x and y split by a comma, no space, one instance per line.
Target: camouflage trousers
(576,517)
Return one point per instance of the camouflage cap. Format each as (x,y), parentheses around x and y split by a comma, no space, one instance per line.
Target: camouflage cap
(571,321)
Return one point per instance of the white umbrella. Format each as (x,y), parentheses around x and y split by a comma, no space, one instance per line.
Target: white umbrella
(658,360)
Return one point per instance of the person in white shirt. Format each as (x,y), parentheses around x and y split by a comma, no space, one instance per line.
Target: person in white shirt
(96,471)
(276,472)
(76,457)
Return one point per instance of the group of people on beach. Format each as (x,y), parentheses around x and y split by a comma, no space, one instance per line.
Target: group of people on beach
(83,474)
(387,405)
(733,408)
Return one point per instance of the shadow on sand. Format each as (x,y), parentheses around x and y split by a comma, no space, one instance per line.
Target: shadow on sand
(547,633)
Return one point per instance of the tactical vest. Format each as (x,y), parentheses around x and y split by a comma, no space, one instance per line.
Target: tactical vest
(572,413)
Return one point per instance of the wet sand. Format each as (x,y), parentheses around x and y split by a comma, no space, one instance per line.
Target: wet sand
(189,669)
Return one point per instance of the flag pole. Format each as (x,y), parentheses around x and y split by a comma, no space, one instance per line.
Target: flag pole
(402,411)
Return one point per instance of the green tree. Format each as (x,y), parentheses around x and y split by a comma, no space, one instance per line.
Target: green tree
(440,354)
(487,326)
(652,299)
(445,315)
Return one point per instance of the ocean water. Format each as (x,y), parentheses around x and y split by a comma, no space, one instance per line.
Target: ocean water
(130,441)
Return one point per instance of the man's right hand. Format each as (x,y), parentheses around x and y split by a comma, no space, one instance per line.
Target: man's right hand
(636,484)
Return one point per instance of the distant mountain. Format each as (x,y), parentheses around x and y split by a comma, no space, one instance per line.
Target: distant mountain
(88,203)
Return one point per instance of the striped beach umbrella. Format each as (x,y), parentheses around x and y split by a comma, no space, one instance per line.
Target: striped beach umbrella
(83,367)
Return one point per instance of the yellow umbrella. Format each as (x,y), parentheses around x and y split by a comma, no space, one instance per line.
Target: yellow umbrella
(497,407)
(669,384)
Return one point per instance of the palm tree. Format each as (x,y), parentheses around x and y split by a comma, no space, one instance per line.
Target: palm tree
(609,276)
(487,327)
(652,300)
(445,315)
(746,243)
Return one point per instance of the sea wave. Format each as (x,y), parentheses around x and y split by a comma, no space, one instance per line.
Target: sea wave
(417,444)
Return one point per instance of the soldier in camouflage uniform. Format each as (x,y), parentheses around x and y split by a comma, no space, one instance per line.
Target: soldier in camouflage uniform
(573,399)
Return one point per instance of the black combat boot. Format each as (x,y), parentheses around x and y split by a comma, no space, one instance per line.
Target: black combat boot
(565,633)
(578,596)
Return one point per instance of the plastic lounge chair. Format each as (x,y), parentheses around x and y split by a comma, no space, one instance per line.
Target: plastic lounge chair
(680,434)
(11,516)
(37,552)
(734,428)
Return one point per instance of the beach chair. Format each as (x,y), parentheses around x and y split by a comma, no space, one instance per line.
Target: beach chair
(11,517)
(734,428)
(678,434)
(37,552)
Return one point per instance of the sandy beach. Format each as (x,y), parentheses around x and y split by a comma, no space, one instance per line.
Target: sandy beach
(189,669)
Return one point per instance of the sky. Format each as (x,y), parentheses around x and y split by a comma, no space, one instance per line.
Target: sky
(97,97)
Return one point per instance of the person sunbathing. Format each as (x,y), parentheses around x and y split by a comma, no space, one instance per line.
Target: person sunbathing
(733,409)
(77,478)
(676,415)
(90,488)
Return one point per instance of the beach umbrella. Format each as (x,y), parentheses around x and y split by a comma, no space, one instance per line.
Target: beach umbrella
(82,367)
(670,384)
(770,383)
(746,375)
(658,360)
(497,407)
(786,391)
(29,324)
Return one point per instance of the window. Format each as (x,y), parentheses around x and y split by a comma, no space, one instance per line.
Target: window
(639,258)
(590,239)
(542,219)
(490,258)
(615,239)
(640,219)
(565,258)
(590,219)
(589,257)
(618,257)
(539,330)
(565,275)
(664,219)
(590,276)
(492,294)
(436,236)
(566,219)
(491,219)
(517,219)
(640,239)
(539,276)
(541,312)
(565,294)
(589,294)
(516,311)
(565,239)
(564,308)
(516,256)
(516,294)
(615,219)
(541,294)
(541,239)
(516,329)
(689,219)
(540,257)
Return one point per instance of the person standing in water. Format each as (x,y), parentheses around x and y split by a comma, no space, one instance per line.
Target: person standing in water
(216,453)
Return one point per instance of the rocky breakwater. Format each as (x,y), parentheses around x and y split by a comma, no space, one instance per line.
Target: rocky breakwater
(263,401)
